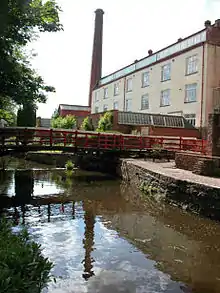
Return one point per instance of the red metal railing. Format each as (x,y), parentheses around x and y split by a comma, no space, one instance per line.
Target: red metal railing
(106,141)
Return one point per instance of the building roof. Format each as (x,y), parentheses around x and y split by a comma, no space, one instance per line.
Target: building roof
(74,107)
(45,122)
(159,120)
(176,48)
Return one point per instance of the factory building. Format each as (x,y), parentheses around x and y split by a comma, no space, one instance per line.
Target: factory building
(182,79)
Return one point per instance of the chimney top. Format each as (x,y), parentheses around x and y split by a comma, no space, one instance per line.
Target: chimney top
(179,40)
(150,52)
(208,23)
(99,11)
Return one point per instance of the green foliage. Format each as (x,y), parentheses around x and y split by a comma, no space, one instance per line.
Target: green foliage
(27,115)
(69,165)
(7,111)
(22,265)
(87,124)
(105,122)
(55,114)
(67,122)
(20,23)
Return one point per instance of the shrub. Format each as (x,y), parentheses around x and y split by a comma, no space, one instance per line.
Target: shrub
(105,122)
(67,122)
(22,265)
(87,124)
(69,165)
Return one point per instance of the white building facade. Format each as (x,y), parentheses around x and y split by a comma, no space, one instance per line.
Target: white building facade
(178,80)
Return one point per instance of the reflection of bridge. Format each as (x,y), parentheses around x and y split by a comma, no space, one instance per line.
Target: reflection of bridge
(34,139)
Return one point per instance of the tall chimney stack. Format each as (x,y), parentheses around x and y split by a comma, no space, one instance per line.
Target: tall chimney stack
(96,69)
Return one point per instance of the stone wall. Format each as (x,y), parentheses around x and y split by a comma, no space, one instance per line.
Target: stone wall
(198,164)
(194,197)
(55,159)
(214,134)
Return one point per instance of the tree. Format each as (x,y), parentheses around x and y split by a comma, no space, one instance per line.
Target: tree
(105,122)
(7,111)
(87,124)
(26,116)
(20,23)
(67,122)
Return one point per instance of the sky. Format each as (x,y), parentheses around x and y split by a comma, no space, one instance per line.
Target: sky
(131,28)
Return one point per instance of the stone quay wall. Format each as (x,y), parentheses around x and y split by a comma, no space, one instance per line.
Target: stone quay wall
(194,197)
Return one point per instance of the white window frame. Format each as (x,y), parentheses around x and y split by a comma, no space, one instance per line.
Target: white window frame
(190,93)
(105,108)
(145,102)
(128,105)
(145,79)
(116,89)
(96,97)
(191,118)
(115,103)
(129,84)
(166,72)
(105,93)
(192,65)
(165,98)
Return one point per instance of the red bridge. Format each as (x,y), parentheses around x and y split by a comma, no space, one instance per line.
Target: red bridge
(33,139)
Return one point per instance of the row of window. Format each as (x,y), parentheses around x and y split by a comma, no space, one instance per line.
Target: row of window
(191,67)
(165,100)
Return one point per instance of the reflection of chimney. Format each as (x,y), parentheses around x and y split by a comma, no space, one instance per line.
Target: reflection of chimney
(96,69)
(88,241)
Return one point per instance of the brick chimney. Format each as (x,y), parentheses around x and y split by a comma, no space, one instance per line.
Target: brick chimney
(96,68)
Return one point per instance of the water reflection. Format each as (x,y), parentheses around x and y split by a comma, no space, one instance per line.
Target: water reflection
(102,237)
(88,241)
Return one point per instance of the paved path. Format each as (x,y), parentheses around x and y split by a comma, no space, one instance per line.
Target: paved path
(169,169)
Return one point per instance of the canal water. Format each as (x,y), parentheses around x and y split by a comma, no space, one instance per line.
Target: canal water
(104,238)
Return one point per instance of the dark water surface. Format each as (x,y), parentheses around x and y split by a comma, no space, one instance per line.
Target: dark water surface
(103,238)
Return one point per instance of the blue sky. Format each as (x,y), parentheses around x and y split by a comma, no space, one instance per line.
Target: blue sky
(131,28)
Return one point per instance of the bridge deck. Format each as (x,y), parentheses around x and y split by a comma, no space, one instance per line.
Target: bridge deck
(35,139)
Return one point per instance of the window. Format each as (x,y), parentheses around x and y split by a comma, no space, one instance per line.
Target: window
(116,89)
(128,105)
(145,79)
(105,108)
(96,109)
(191,118)
(192,64)
(105,93)
(166,72)
(165,98)
(96,96)
(190,93)
(145,102)
(129,85)
(115,105)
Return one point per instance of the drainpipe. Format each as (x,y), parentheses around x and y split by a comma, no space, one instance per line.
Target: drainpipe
(202,87)
(124,93)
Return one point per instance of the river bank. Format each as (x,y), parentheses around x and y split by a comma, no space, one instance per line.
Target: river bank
(189,191)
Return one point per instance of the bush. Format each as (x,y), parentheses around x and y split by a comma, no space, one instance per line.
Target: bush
(87,124)
(22,265)
(67,122)
(105,122)
(69,165)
